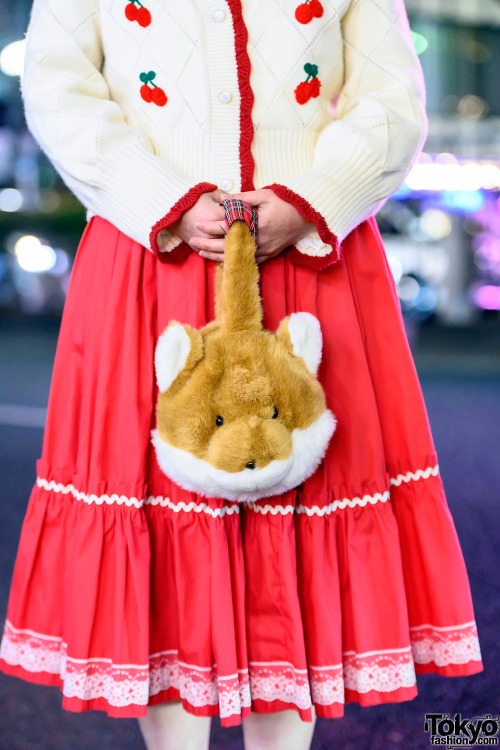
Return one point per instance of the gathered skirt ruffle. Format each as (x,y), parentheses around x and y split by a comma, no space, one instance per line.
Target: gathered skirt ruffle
(128,590)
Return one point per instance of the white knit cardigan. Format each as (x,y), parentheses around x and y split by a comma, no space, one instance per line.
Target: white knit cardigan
(143,105)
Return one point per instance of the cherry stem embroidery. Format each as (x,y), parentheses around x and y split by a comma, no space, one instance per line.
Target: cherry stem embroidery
(148,77)
(311,69)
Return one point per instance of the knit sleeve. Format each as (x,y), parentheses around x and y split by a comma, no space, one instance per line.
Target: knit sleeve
(109,165)
(364,155)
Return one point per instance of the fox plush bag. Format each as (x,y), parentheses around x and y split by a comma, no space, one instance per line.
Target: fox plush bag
(240,414)
(131,586)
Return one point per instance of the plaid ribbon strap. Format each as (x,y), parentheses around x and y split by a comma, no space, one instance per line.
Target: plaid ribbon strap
(234,209)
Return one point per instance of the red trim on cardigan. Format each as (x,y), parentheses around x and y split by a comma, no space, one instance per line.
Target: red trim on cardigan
(177,255)
(247,163)
(311,261)
(310,214)
(187,201)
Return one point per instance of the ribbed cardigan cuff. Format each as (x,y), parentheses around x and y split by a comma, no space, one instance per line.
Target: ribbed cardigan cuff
(312,215)
(137,186)
(337,194)
(178,253)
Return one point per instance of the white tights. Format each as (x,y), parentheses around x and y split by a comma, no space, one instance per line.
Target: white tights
(168,726)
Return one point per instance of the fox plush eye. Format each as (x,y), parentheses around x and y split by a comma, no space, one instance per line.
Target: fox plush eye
(275,415)
(219,421)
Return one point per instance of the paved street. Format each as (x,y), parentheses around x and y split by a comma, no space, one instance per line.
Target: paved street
(464,411)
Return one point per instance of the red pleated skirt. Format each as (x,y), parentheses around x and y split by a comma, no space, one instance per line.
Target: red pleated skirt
(129,591)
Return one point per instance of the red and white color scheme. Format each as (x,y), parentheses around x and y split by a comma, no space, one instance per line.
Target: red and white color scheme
(128,590)
(222,111)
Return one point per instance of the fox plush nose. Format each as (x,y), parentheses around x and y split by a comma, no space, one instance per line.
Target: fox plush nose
(249,442)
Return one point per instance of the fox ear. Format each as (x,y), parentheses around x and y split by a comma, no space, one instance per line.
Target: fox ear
(301,334)
(178,349)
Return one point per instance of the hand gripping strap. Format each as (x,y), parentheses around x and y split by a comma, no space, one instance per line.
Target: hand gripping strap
(234,209)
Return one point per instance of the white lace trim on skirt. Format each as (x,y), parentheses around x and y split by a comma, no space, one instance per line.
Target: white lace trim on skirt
(126,684)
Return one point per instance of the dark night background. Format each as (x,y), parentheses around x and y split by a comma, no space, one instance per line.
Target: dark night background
(444,250)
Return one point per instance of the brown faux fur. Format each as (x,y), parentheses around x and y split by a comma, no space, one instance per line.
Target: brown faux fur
(235,370)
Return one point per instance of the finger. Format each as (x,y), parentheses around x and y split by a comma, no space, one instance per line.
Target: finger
(216,228)
(219,257)
(205,243)
(254,197)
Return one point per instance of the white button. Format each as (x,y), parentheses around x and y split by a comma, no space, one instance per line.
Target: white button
(219,16)
(225,96)
(227,185)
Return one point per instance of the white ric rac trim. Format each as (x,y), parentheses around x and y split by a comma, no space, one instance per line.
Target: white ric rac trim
(69,489)
(225,510)
(419,474)
(131,684)
(381,497)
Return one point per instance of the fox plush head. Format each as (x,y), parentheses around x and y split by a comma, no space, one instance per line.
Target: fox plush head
(240,414)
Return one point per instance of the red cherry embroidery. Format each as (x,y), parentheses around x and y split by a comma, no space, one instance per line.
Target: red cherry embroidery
(146,93)
(139,14)
(155,94)
(131,11)
(314,85)
(308,10)
(317,8)
(309,88)
(302,92)
(159,96)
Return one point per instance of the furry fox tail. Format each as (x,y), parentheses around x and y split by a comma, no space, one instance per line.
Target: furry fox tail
(238,300)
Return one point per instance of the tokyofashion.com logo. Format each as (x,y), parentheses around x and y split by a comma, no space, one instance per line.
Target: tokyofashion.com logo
(453,731)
